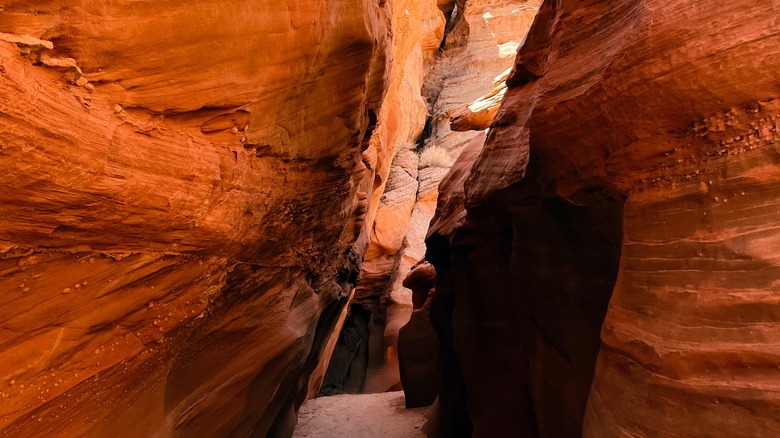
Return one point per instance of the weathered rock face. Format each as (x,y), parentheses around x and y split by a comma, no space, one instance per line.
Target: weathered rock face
(478,115)
(418,30)
(185,197)
(479,47)
(635,155)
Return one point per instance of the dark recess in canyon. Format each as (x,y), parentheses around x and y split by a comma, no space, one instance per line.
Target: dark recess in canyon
(523,285)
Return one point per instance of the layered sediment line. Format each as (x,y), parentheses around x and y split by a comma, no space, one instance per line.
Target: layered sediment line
(186,196)
(634,156)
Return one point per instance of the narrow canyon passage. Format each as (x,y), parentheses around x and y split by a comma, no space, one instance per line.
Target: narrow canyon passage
(391,218)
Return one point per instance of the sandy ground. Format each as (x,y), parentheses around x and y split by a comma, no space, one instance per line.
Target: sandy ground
(360,416)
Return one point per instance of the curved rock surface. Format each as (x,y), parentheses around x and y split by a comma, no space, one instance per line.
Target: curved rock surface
(417,344)
(478,115)
(480,47)
(634,157)
(482,43)
(358,366)
(186,196)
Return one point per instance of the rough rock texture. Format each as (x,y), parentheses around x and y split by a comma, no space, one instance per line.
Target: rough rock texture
(185,197)
(635,155)
(480,46)
(418,29)
(478,115)
(396,300)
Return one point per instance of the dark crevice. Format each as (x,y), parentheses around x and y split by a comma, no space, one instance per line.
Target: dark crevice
(522,290)
(292,392)
(347,369)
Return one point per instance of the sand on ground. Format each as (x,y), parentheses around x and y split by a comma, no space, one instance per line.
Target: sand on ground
(360,416)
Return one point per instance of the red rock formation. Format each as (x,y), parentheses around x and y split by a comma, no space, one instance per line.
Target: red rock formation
(478,115)
(480,47)
(482,44)
(417,343)
(418,27)
(636,151)
(185,197)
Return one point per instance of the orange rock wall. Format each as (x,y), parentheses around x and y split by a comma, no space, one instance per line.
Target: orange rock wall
(481,44)
(418,27)
(185,199)
(633,161)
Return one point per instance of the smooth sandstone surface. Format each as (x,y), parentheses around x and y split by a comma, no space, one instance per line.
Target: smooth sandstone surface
(478,115)
(633,162)
(417,344)
(186,195)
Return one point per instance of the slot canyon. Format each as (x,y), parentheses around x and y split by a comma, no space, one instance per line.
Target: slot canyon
(389,218)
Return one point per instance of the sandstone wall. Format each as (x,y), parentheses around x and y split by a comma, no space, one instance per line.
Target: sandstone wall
(482,42)
(186,195)
(418,27)
(633,162)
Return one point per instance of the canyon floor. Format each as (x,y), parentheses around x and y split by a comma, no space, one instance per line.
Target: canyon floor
(361,415)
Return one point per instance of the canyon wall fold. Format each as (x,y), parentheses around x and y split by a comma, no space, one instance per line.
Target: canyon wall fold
(480,42)
(358,361)
(607,263)
(186,196)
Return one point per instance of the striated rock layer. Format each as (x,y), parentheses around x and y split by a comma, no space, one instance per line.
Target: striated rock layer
(418,27)
(634,161)
(185,198)
(481,43)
